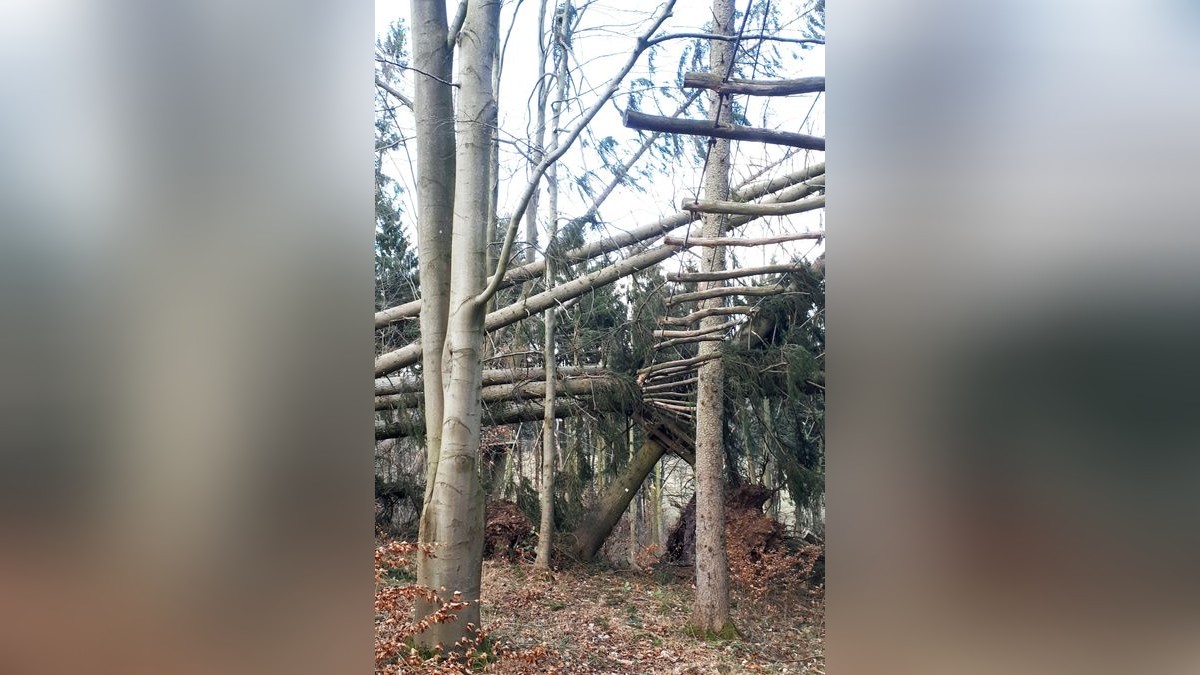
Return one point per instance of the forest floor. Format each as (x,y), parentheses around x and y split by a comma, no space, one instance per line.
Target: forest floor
(595,620)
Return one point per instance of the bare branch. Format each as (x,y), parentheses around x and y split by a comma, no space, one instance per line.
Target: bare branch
(803,85)
(515,219)
(735,241)
(740,208)
(734,274)
(755,291)
(696,316)
(731,38)
(404,100)
(640,120)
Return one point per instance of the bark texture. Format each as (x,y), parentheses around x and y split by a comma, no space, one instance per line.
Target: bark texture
(710,613)
(453,517)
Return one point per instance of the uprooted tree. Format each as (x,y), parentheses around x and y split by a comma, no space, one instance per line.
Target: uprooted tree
(721,368)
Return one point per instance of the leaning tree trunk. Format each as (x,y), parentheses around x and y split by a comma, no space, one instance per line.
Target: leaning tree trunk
(453,517)
(710,613)
(590,534)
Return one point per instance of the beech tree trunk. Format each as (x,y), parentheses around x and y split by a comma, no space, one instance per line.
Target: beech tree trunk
(710,613)
(549,422)
(453,517)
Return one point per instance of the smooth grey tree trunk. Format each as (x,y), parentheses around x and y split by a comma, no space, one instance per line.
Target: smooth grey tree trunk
(453,516)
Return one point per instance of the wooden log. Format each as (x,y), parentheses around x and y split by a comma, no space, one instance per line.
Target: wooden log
(700,314)
(752,209)
(683,341)
(404,384)
(802,85)
(794,185)
(660,369)
(732,274)
(741,241)
(668,386)
(694,333)
(516,391)
(756,291)
(642,121)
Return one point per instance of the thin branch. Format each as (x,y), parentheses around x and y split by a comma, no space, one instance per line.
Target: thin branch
(515,219)
(742,208)
(668,386)
(735,241)
(733,38)
(403,66)
(644,373)
(640,120)
(693,333)
(711,311)
(748,291)
(680,341)
(803,85)
(404,100)
(734,274)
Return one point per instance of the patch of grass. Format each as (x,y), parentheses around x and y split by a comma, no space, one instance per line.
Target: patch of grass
(728,633)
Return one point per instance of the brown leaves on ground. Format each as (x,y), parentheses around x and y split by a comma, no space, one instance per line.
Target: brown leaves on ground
(591,620)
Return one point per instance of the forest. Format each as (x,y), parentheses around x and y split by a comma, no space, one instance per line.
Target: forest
(599,336)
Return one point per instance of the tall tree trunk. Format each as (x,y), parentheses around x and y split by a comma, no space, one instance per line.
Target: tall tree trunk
(710,613)
(453,517)
(433,108)
(549,439)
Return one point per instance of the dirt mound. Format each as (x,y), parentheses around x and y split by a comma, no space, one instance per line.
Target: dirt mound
(507,533)
(745,525)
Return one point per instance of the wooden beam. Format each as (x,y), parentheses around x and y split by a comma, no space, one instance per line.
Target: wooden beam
(693,333)
(668,386)
(755,291)
(688,340)
(731,274)
(745,209)
(696,316)
(737,241)
(639,120)
(803,85)
(685,364)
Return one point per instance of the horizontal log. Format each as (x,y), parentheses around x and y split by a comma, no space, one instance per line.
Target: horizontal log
(749,291)
(410,354)
(665,344)
(685,364)
(644,122)
(405,384)
(732,274)
(752,209)
(411,421)
(741,241)
(704,313)
(514,391)
(712,81)
(694,333)
(785,188)
(667,386)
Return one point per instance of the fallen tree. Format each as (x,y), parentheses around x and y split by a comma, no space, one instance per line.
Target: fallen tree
(618,239)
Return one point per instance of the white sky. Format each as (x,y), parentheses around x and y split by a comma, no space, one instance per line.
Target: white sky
(601,45)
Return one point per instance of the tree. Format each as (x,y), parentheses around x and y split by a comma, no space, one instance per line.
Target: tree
(710,613)
(473,309)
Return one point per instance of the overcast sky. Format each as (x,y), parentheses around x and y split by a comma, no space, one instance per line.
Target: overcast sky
(602,42)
